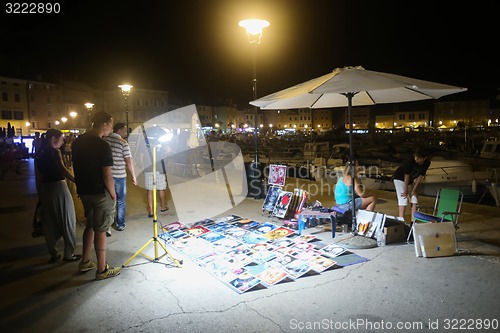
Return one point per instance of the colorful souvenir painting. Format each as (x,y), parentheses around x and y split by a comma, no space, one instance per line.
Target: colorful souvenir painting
(278,233)
(177,225)
(277,175)
(204,222)
(244,282)
(264,228)
(321,263)
(236,232)
(306,255)
(172,235)
(332,250)
(272,196)
(283,260)
(211,236)
(254,238)
(229,274)
(272,275)
(304,238)
(263,256)
(248,226)
(282,204)
(197,231)
(297,268)
(226,244)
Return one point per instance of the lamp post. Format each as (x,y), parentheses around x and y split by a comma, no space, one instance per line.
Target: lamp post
(64,120)
(254,29)
(89,107)
(126,88)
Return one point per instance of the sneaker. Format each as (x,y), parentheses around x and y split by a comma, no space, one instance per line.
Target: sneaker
(109,272)
(117,227)
(108,233)
(74,257)
(86,266)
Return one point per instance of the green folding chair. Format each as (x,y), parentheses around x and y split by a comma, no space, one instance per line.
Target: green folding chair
(447,208)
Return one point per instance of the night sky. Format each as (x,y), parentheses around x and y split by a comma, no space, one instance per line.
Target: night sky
(196,50)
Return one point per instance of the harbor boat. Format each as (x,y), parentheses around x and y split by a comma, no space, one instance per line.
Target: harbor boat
(472,182)
(491,152)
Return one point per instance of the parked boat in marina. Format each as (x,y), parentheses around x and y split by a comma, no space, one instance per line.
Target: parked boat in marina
(472,182)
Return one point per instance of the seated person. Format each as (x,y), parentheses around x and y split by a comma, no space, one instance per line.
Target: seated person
(343,192)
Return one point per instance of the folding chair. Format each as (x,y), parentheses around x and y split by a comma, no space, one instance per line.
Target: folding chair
(447,208)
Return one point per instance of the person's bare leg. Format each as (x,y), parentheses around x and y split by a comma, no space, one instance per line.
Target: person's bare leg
(100,250)
(150,201)
(161,194)
(402,211)
(372,201)
(413,210)
(88,242)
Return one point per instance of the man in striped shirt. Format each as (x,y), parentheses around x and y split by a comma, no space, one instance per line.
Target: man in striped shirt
(122,160)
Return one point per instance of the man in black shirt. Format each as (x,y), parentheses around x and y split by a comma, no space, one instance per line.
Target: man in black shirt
(92,162)
(411,172)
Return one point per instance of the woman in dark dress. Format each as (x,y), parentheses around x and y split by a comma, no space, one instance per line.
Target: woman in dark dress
(58,209)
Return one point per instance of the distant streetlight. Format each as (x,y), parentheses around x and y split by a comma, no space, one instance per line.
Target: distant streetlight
(57,122)
(254,29)
(126,88)
(64,120)
(89,107)
(73,115)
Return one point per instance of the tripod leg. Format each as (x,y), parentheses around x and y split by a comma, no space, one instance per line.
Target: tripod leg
(177,262)
(137,253)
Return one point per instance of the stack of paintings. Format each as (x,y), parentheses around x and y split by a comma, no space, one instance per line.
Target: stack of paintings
(245,254)
(280,203)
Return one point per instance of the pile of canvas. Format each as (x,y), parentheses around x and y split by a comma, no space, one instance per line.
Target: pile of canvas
(278,202)
(245,254)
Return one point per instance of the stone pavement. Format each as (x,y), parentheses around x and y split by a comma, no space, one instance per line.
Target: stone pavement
(392,292)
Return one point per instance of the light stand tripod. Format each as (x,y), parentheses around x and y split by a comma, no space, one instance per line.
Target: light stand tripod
(154,240)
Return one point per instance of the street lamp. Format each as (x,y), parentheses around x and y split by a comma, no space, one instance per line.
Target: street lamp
(126,91)
(254,29)
(73,115)
(64,120)
(89,107)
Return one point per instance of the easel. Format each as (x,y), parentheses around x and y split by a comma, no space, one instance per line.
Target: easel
(154,239)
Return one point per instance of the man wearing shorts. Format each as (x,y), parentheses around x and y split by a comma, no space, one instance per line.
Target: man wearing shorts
(411,172)
(92,162)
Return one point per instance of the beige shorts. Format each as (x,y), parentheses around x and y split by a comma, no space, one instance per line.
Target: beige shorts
(99,210)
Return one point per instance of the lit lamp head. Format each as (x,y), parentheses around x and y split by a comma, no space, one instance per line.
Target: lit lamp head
(157,135)
(126,88)
(73,114)
(254,29)
(89,106)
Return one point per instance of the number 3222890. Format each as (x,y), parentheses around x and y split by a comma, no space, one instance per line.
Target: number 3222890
(32,8)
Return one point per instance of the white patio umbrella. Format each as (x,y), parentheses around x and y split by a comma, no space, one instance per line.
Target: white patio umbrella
(356,86)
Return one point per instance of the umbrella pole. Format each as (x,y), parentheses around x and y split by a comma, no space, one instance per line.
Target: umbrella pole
(352,163)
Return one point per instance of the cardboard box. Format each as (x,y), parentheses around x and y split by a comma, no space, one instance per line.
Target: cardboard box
(435,239)
(394,230)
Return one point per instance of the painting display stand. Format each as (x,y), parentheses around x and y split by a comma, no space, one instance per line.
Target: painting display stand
(279,203)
